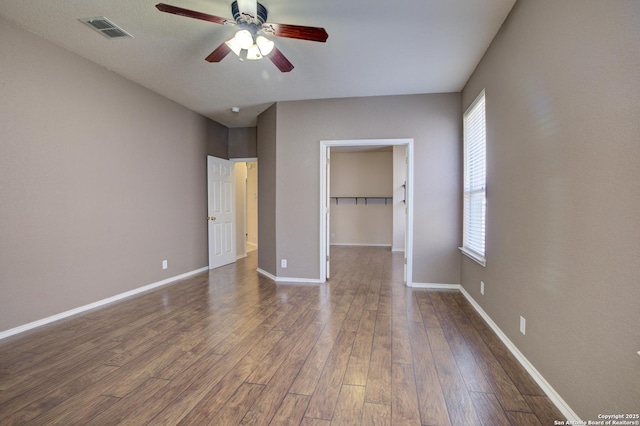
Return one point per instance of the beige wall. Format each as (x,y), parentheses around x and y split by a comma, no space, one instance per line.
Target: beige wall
(266,138)
(217,137)
(100,181)
(242,142)
(563,235)
(433,121)
(361,174)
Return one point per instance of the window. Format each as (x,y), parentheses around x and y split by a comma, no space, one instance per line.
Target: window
(475,172)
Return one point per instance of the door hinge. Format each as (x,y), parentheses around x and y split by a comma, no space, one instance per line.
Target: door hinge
(328,160)
(405,260)
(406,160)
(327,258)
(406,210)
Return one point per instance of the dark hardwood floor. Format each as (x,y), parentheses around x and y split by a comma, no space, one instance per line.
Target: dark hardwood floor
(230,347)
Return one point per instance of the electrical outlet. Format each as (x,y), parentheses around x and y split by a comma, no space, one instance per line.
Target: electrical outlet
(165,264)
(523,325)
(482,287)
(283,263)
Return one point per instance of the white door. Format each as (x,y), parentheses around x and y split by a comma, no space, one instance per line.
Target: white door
(406,223)
(221,208)
(328,212)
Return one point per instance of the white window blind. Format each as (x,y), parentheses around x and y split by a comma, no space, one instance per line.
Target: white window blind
(475,172)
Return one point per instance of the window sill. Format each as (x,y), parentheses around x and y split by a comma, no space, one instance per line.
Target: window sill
(474,256)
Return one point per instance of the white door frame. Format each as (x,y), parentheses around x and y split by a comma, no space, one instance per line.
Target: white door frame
(324,145)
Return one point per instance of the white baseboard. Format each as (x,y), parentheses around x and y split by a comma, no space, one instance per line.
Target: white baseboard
(436,286)
(266,274)
(285,280)
(75,311)
(535,374)
(397,249)
(360,245)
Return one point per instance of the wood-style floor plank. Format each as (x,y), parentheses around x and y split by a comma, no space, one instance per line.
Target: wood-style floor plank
(229,346)
(378,390)
(489,410)
(291,411)
(432,406)
(44,398)
(523,419)
(308,376)
(544,409)
(358,367)
(404,399)
(469,369)
(215,399)
(521,379)
(349,406)
(459,404)
(266,405)
(325,395)
(376,414)
(121,409)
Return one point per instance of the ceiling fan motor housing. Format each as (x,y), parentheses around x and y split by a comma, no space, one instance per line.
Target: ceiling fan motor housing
(244,20)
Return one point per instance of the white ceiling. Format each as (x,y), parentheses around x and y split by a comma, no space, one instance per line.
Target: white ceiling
(375,47)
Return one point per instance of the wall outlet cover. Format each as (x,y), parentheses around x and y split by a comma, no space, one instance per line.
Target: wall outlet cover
(283,263)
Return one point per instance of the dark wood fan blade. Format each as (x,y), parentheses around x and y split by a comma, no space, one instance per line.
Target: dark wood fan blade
(219,54)
(280,61)
(193,14)
(296,31)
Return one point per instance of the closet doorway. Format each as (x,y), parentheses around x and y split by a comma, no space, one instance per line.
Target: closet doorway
(371,205)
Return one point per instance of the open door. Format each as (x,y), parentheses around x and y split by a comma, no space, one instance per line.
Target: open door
(221,212)
(328,212)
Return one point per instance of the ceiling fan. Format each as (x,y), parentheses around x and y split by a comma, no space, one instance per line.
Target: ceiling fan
(250,41)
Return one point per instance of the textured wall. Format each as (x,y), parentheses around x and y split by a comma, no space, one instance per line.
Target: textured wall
(242,142)
(267,190)
(100,181)
(563,235)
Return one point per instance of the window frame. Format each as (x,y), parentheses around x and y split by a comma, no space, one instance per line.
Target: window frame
(474,182)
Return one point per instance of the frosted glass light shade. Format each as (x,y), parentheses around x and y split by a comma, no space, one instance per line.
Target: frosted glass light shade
(264,44)
(234,46)
(244,39)
(253,53)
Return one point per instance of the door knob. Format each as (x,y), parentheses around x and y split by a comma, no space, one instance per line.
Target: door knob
(211,218)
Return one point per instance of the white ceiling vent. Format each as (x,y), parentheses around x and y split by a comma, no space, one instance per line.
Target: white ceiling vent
(106,27)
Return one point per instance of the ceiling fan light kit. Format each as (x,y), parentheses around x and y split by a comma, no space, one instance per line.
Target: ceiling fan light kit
(250,42)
